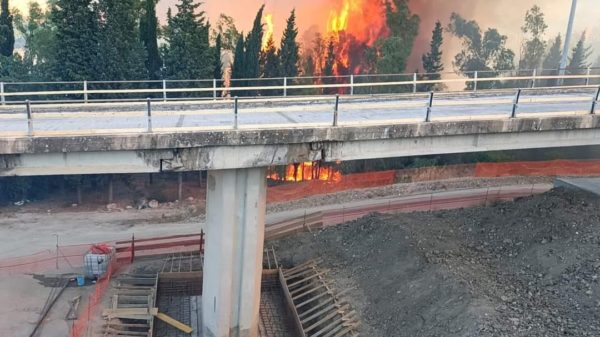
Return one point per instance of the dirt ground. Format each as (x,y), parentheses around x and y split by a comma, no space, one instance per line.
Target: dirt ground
(528,268)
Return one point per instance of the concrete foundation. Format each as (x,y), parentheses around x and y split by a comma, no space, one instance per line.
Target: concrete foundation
(235,226)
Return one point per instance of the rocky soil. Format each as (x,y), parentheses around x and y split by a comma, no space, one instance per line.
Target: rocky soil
(528,268)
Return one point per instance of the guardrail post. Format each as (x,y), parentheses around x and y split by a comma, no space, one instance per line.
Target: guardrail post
(235,112)
(164,83)
(29,118)
(149,113)
(587,80)
(414,83)
(214,89)
(429,106)
(516,104)
(336,109)
(85,91)
(352,85)
(2,98)
(285,87)
(534,78)
(475,78)
(595,102)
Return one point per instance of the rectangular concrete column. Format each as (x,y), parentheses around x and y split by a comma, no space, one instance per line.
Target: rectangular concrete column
(235,227)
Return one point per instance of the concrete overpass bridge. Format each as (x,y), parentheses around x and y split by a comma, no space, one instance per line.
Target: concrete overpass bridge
(236,140)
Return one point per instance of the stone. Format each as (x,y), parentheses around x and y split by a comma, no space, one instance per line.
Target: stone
(153,204)
(111,207)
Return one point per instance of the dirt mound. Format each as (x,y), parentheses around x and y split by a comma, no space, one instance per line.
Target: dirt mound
(528,268)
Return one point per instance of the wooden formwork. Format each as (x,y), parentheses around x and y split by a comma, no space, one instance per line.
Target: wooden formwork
(317,307)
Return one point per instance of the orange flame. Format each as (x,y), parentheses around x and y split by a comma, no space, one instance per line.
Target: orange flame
(307,171)
(354,26)
(268,20)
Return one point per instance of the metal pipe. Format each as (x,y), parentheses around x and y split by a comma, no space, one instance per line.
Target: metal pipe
(214,89)
(235,112)
(2,98)
(164,84)
(29,117)
(565,54)
(516,104)
(336,109)
(475,78)
(587,80)
(285,87)
(414,83)
(533,80)
(595,102)
(85,93)
(429,106)
(352,85)
(149,113)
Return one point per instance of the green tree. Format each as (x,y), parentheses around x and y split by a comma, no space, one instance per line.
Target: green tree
(7,31)
(290,51)
(404,27)
(432,61)
(238,68)
(37,30)
(328,68)
(75,52)
(578,61)
(483,52)
(534,46)
(552,60)
(187,54)
(218,64)
(253,47)
(271,67)
(122,54)
(229,33)
(149,37)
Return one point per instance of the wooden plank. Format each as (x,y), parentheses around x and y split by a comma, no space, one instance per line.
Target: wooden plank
(125,332)
(126,325)
(174,323)
(290,304)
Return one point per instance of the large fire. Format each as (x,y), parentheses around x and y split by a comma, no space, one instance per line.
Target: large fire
(269,27)
(355,25)
(306,172)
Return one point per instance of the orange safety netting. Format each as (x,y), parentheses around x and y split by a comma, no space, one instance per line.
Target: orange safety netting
(538,169)
(298,190)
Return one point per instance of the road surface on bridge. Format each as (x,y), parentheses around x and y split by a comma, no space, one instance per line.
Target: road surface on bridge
(116,118)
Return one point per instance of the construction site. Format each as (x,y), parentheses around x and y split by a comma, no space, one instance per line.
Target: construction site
(467,250)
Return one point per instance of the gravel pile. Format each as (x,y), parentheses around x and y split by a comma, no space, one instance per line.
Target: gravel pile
(526,268)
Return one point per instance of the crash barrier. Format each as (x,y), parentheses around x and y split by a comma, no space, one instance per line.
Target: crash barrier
(538,169)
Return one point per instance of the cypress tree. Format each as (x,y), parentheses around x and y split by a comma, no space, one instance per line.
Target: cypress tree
(289,53)
(432,61)
(7,31)
(75,53)
(270,65)
(552,60)
(238,67)
(578,61)
(534,47)
(122,54)
(148,35)
(253,46)
(218,64)
(328,69)
(188,54)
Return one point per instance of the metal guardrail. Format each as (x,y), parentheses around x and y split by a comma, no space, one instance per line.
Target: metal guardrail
(173,90)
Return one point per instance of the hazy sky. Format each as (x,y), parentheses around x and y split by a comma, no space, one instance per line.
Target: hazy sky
(506,15)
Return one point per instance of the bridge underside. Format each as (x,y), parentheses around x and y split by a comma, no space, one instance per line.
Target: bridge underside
(249,156)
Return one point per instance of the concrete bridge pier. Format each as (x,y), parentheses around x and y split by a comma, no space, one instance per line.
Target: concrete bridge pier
(235,227)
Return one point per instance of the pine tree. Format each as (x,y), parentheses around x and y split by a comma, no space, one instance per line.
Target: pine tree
(7,32)
(432,61)
(328,69)
(253,46)
(290,51)
(395,50)
(37,30)
(535,46)
(218,64)
(188,54)
(75,52)
(122,54)
(148,35)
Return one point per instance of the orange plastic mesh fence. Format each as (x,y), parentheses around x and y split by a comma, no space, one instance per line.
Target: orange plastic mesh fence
(538,169)
(298,190)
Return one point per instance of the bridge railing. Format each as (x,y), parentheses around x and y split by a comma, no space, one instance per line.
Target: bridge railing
(316,111)
(175,90)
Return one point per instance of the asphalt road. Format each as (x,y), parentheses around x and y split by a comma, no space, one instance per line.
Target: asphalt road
(279,113)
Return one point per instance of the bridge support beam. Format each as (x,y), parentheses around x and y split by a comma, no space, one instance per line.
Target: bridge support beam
(235,227)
